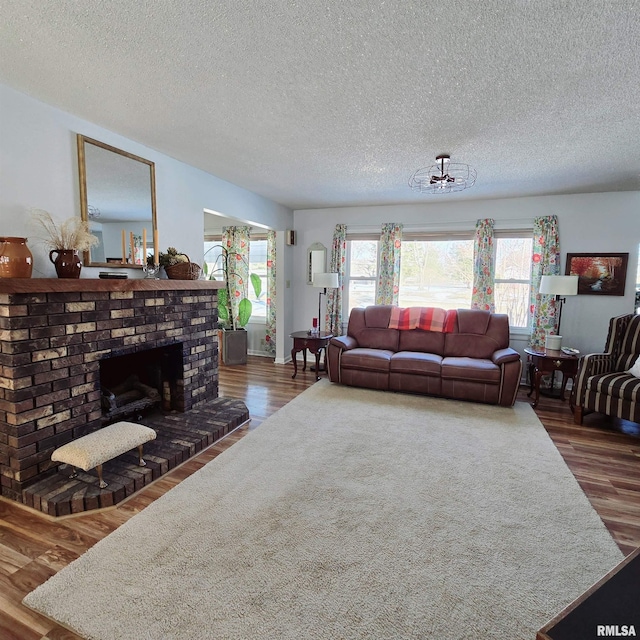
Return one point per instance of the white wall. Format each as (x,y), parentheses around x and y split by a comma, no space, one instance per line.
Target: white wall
(39,168)
(603,222)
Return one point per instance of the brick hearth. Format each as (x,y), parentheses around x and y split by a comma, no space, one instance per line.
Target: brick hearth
(180,436)
(53,334)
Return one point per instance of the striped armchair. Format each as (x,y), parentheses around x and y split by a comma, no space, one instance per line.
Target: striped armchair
(602,383)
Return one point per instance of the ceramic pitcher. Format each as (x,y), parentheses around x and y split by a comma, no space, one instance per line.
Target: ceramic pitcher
(67,262)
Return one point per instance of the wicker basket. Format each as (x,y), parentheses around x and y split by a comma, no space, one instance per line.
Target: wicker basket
(183,271)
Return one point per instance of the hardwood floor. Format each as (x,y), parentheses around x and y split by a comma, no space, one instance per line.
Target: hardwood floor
(603,454)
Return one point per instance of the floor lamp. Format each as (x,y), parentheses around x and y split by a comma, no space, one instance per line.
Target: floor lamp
(560,287)
(324,281)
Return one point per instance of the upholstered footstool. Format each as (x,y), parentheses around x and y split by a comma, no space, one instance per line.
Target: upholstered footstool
(105,444)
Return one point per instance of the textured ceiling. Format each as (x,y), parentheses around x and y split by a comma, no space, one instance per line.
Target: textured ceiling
(336,103)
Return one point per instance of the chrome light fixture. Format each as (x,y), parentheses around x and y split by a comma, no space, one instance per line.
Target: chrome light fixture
(93,212)
(443,177)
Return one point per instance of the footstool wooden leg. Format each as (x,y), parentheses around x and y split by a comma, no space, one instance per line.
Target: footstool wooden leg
(102,483)
(141,461)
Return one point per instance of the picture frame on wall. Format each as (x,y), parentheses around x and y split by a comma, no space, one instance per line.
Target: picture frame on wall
(599,274)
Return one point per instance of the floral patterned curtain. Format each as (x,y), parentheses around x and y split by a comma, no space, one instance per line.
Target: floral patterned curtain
(546,262)
(483,266)
(389,261)
(270,336)
(236,242)
(333,317)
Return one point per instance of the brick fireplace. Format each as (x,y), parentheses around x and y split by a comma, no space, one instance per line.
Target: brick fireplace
(53,336)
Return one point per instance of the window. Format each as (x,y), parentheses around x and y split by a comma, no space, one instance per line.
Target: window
(362,273)
(513,277)
(437,271)
(257,265)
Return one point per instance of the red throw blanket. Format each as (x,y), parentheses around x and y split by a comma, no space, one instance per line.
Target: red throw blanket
(425,318)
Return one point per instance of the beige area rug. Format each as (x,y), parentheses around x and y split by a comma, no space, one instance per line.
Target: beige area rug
(350,514)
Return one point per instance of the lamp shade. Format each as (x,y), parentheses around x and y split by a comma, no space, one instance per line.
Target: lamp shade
(559,285)
(325,280)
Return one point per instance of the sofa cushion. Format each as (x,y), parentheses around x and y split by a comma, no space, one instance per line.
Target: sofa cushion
(423,341)
(635,369)
(472,369)
(366,359)
(479,334)
(619,384)
(424,364)
(369,328)
(377,316)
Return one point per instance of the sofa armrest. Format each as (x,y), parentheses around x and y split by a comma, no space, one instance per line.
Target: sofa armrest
(589,365)
(595,363)
(336,347)
(344,343)
(505,355)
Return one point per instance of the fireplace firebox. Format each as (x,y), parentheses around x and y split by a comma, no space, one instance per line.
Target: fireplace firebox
(134,383)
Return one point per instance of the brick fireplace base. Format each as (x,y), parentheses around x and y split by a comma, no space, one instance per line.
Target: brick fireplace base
(180,436)
(54,333)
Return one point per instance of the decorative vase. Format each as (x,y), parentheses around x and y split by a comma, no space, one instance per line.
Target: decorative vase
(67,262)
(16,261)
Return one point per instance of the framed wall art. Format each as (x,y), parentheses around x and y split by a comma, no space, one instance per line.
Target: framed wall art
(601,274)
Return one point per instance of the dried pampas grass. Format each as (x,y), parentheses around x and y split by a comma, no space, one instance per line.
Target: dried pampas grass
(72,233)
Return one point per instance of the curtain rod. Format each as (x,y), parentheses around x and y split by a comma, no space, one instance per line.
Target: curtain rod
(419,227)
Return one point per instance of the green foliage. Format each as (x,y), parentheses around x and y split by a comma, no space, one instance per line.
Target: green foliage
(223,306)
(170,258)
(244,311)
(226,269)
(257,284)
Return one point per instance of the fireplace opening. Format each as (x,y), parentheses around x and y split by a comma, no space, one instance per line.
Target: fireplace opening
(134,383)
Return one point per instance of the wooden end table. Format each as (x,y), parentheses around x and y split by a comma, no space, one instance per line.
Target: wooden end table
(548,361)
(315,342)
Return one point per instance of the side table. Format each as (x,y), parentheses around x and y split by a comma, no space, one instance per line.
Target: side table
(316,342)
(545,361)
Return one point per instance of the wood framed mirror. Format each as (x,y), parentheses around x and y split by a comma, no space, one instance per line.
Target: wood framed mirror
(316,260)
(118,200)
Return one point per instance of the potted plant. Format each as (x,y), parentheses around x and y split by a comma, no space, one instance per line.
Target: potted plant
(65,239)
(177,265)
(232,323)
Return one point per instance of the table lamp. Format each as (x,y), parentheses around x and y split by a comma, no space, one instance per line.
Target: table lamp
(560,287)
(324,281)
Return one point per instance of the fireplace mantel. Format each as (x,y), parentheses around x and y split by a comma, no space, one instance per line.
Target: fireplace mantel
(71,285)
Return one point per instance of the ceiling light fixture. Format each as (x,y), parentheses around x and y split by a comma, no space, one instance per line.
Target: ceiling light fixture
(444,177)
(93,212)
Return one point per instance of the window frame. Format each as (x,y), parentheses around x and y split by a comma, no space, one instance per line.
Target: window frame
(525,234)
(360,237)
(431,236)
(439,236)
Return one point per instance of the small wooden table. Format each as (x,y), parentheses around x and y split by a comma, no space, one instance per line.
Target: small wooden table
(316,342)
(545,361)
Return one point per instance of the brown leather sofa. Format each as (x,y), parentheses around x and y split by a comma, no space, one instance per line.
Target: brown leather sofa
(471,361)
